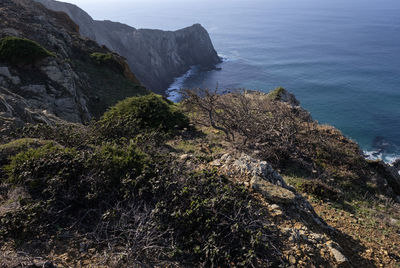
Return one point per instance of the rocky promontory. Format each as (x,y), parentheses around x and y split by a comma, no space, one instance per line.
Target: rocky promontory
(155,56)
(48,71)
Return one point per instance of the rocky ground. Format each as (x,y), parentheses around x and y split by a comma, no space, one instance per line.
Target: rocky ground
(320,231)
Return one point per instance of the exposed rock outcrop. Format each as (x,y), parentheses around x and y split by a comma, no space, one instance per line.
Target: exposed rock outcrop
(15,110)
(283,201)
(68,86)
(155,56)
(263,179)
(396,166)
(283,95)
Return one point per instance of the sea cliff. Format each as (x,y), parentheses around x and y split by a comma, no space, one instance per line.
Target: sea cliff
(155,56)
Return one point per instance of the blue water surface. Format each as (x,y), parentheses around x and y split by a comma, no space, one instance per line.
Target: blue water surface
(340,58)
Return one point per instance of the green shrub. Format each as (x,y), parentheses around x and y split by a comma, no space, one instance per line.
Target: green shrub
(117,192)
(108,60)
(16,146)
(21,144)
(216,223)
(276,93)
(17,51)
(91,173)
(26,168)
(120,159)
(136,115)
(66,134)
(119,172)
(23,223)
(100,58)
(75,182)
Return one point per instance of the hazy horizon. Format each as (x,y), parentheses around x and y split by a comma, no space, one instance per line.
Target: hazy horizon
(120,10)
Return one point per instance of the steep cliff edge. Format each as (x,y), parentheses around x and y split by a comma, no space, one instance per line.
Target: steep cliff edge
(49,72)
(155,56)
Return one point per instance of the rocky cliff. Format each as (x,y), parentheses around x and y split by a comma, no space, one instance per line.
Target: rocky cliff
(155,56)
(70,81)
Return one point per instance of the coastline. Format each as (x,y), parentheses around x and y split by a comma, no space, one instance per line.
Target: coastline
(173,95)
(172,91)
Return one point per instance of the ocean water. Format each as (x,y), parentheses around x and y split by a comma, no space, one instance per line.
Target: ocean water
(341,58)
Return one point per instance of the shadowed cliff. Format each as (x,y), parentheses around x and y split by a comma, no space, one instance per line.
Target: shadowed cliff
(48,71)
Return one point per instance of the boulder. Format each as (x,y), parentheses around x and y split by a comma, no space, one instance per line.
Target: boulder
(396,166)
(262,178)
(271,191)
(5,72)
(245,165)
(336,253)
(281,94)
(34,89)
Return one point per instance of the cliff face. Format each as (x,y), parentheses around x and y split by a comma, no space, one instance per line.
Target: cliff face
(68,83)
(155,56)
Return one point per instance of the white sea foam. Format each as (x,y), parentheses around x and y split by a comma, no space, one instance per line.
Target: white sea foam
(377,155)
(173,90)
(224,58)
(391,159)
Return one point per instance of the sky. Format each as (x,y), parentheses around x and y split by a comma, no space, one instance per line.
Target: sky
(149,13)
(109,9)
(112,9)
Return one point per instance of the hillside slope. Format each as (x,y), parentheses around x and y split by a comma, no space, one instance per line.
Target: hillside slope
(161,184)
(155,56)
(71,81)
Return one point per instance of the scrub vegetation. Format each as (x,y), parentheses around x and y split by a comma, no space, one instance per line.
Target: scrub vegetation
(136,186)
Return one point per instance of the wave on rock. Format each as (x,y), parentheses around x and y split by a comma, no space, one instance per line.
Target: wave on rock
(173,90)
(379,155)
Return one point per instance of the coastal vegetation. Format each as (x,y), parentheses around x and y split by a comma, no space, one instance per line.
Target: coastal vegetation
(139,182)
(124,192)
(136,115)
(107,59)
(22,51)
(113,83)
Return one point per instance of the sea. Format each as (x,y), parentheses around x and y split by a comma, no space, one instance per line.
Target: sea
(341,58)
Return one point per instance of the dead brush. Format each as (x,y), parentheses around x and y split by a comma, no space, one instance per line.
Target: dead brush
(130,235)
